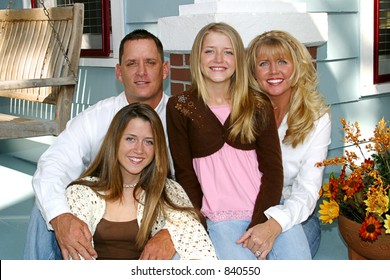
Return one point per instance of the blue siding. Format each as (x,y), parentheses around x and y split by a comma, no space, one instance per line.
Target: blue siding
(15,4)
(339,70)
(343,37)
(339,80)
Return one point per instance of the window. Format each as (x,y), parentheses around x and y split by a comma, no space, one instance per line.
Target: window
(381,41)
(368,65)
(97,25)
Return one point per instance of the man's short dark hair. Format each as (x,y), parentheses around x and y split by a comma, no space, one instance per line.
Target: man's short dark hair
(141,34)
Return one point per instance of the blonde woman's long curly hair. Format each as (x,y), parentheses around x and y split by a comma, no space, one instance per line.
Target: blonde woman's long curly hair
(244,100)
(306,104)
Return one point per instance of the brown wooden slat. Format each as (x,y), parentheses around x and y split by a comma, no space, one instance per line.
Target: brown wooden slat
(9,38)
(25,48)
(17,50)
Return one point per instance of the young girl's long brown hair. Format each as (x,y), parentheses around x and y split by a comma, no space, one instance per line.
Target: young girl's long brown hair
(153,178)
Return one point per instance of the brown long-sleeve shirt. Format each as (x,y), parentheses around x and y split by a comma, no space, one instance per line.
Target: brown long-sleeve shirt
(194,131)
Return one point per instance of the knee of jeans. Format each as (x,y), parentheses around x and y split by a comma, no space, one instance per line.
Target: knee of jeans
(176,257)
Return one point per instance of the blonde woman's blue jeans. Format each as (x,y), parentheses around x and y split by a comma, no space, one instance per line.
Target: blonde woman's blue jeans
(289,245)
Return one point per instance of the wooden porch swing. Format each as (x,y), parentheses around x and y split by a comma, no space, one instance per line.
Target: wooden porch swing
(39,60)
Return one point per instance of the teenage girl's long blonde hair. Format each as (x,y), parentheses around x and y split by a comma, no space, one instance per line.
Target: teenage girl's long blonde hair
(244,101)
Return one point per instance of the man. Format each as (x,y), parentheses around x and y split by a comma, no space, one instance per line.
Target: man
(142,70)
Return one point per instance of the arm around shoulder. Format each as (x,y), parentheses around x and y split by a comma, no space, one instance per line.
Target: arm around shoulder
(86,205)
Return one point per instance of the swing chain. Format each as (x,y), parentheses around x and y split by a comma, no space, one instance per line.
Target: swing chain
(9,6)
(58,40)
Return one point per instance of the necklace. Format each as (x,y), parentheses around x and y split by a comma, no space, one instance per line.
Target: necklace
(130,186)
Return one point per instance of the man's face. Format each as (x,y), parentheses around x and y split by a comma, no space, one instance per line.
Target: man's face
(142,72)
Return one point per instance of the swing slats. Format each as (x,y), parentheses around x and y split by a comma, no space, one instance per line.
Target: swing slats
(34,71)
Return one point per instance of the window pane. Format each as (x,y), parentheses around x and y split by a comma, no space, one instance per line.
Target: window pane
(384,38)
(381,41)
(97,24)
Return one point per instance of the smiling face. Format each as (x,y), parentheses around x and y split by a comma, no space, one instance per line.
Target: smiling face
(217,59)
(136,149)
(142,72)
(273,73)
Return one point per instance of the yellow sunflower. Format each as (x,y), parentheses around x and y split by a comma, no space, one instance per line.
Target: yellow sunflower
(329,211)
(386,224)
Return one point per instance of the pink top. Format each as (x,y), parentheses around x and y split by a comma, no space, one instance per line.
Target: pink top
(230,179)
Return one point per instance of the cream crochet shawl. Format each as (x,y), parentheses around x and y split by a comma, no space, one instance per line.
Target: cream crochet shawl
(189,237)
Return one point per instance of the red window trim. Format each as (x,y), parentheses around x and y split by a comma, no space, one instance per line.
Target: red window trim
(377,77)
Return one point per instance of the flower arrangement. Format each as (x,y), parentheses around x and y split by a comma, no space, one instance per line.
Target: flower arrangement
(361,192)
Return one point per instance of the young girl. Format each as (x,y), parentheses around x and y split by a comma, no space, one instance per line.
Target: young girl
(125,196)
(225,147)
(281,67)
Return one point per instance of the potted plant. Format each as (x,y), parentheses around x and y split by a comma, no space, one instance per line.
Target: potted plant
(359,194)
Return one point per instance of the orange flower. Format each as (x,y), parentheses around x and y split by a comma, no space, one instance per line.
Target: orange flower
(368,164)
(352,131)
(361,190)
(370,229)
(354,183)
(381,138)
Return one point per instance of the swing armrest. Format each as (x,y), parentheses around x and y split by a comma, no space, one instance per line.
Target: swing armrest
(33,83)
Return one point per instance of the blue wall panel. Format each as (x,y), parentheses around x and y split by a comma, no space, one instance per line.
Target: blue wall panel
(339,80)
(343,37)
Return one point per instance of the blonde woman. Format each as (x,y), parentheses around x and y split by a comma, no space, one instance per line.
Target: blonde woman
(281,67)
(125,196)
(225,147)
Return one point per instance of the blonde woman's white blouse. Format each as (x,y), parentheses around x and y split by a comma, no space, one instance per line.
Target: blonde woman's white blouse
(302,179)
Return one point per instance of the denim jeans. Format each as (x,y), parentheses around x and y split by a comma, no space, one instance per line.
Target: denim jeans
(41,243)
(312,229)
(289,245)
(224,235)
